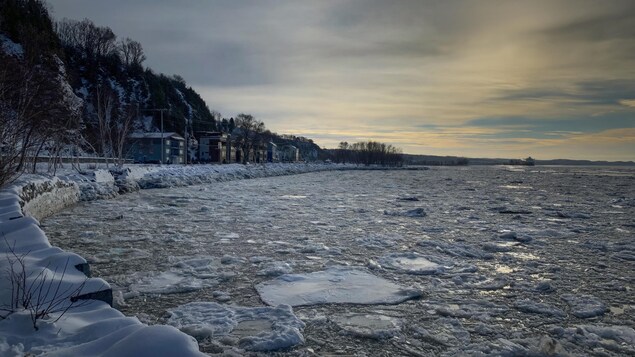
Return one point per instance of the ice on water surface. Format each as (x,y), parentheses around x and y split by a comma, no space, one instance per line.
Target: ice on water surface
(336,285)
(502,269)
(375,326)
(411,263)
(254,328)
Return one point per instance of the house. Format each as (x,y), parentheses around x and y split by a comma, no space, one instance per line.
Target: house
(289,153)
(215,148)
(148,147)
(256,154)
(272,152)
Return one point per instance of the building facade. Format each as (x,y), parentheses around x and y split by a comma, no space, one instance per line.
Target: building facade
(166,148)
(215,148)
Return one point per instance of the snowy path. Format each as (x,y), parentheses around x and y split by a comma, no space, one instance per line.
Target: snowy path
(531,259)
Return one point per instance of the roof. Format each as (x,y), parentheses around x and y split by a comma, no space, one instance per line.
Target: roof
(169,135)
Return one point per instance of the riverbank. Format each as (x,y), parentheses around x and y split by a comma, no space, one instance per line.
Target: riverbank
(72,313)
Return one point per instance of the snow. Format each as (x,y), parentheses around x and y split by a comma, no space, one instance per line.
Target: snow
(11,48)
(336,285)
(89,327)
(254,328)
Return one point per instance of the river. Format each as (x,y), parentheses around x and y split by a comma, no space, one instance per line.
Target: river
(504,258)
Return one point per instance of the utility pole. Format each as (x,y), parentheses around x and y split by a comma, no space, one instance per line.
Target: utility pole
(161,110)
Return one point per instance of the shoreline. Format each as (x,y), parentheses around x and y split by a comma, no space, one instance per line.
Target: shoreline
(35,197)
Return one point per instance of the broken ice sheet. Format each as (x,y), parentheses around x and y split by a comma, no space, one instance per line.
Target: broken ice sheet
(585,306)
(255,328)
(336,285)
(410,263)
(167,282)
(368,325)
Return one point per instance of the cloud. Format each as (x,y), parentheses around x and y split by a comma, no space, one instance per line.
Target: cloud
(512,71)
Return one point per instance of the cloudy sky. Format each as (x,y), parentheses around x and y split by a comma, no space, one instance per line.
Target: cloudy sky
(550,79)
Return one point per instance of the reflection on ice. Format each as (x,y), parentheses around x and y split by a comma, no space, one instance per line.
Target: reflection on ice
(336,285)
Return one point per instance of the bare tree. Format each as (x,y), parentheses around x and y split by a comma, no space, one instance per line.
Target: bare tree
(248,134)
(94,41)
(105,105)
(120,131)
(32,103)
(131,52)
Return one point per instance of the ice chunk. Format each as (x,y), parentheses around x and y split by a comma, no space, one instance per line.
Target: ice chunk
(417,212)
(256,328)
(368,326)
(276,269)
(499,247)
(379,241)
(410,263)
(444,331)
(508,235)
(620,339)
(343,285)
(408,198)
(534,307)
(455,249)
(168,283)
(579,215)
(585,306)
(482,310)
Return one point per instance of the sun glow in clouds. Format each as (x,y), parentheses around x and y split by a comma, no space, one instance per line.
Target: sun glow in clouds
(428,76)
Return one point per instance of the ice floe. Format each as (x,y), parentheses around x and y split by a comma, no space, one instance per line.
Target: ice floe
(252,328)
(411,263)
(585,306)
(168,282)
(445,331)
(373,326)
(336,285)
(534,307)
(417,212)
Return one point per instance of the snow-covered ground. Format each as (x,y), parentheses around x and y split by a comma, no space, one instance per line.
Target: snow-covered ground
(50,306)
(471,260)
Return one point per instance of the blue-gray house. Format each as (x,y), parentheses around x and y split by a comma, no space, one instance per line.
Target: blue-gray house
(147,147)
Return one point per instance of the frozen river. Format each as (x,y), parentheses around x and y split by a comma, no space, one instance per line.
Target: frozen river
(444,261)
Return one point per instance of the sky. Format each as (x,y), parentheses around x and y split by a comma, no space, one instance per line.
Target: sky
(541,78)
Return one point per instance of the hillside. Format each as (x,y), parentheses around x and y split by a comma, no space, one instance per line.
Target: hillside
(72,87)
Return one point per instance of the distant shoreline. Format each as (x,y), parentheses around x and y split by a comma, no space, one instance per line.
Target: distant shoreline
(432,160)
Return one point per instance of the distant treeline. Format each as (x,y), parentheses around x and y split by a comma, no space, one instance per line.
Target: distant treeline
(367,153)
